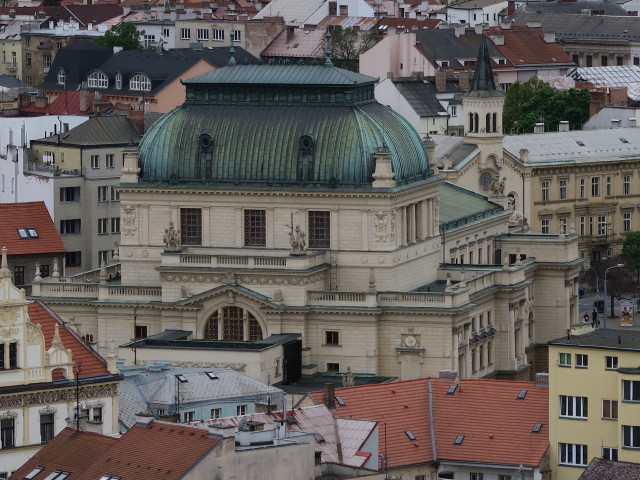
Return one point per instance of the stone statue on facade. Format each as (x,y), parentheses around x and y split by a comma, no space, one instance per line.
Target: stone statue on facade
(497,186)
(297,240)
(171,238)
(348,379)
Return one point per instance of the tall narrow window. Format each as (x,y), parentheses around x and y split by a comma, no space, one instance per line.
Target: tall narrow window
(595,186)
(7,433)
(255,228)
(191,226)
(13,355)
(319,229)
(46,427)
(232,323)
(626,221)
(626,184)
(544,185)
(563,188)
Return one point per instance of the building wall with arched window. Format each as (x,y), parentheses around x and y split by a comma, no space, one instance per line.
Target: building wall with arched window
(97,79)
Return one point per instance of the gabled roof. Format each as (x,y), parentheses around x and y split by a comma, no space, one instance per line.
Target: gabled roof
(84,357)
(602,469)
(14,216)
(101,131)
(145,452)
(490,435)
(526,46)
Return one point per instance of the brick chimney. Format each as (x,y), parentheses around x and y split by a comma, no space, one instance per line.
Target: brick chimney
(25,99)
(448,374)
(136,119)
(441,80)
(290,32)
(84,100)
(41,102)
(542,379)
(329,396)
(464,80)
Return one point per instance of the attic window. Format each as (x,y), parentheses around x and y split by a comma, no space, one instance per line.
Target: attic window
(140,82)
(181,378)
(411,436)
(109,477)
(580,143)
(97,79)
(27,233)
(291,420)
(118,80)
(57,475)
(624,140)
(452,389)
(536,428)
(522,394)
(319,438)
(340,401)
(459,439)
(62,77)
(33,473)
(212,375)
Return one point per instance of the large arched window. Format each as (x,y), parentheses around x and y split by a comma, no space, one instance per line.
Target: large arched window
(62,77)
(233,324)
(97,79)
(140,82)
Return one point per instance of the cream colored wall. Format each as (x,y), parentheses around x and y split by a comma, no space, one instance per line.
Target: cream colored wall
(174,93)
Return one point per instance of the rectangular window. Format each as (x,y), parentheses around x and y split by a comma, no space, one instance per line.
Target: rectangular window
(631,390)
(255,228)
(582,360)
(583,225)
(602,225)
(96,414)
(217,35)
(544,225)
(185,33)
(46,427)
(3,365)
(595,186)
(73,259)
(589,60)
(95,161)
(13,355)
(563,188)
(626,221)
(611,363)
(453,109)
(189,416)
(630,436)
(565,360)
(216,412)
(103,194)
(332,338)
(166,32)
(103,226)
(110,162)
(202,34)
(28,59)
(573,407)
(103,257)
(115,225)
(70,226)
(18,275)
(191,226)
(476,476)
(319,229)
(7,433)
(604,61)
(626,184)
(115,194)
(344,10)
(544,185)
(70,194)
(46,61)
(44,271)
(609,409)
(572,454)
(235,35)
(609,187)
(504,477)
(582,188)
(610,453)
(141,331)
(333,367)
(241,410)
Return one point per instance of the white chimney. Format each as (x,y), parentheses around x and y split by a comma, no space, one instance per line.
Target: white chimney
(563,126)
(539,127)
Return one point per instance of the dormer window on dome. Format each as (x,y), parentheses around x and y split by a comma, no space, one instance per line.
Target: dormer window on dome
(140,82)
(118,81)
(62,77)
(97,79)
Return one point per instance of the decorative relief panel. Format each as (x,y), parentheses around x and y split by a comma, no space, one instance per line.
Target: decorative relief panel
(385,226)
(34,335)
(240,367)
(9,414)
(129,220)
(239,278)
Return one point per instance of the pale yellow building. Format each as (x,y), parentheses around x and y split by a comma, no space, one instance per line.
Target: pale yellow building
(594,399)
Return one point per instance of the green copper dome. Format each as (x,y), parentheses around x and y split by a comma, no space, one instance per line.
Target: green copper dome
(280,126)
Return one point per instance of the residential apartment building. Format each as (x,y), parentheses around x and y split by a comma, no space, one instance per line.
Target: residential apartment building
(11,48)
(594,399)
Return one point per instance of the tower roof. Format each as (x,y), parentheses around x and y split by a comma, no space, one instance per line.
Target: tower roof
(483,84)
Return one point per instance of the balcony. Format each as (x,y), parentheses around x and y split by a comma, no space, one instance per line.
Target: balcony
(11,67)
(95,291)
(227,260)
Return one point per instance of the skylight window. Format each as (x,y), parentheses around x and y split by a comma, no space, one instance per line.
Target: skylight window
(580,143)
(411,436)
(536,428)
(452,389)
(459,439)
(212,375)
(57,475)
(522,394)
(109,477)
(33,473)
(624,140)
(340,401)
(181,378)
(27,233)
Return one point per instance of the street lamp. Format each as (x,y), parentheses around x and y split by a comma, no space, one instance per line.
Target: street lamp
(620,265)
(587,267)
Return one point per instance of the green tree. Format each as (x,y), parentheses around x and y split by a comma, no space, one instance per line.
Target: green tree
(122,35)
(619,281)
(631,251)
(348,43)
(536,101)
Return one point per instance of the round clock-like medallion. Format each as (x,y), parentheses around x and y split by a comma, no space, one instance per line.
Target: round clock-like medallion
(410,341)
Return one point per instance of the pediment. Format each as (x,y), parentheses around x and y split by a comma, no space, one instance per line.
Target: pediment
(232,292)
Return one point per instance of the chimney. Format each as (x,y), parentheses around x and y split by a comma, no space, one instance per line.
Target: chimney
(542,379)
(524,155)
(25,99)
(539,127)
(498,38)
(329,396)
(459,30)
(563,126)
(615,123)
(290,32)
(511,7)
(479,28)
(549,37)
(136,119)
(143,418)
(448,374)
(41,102)
(505,25)
(383,176)
(84,100)
(441,80)
(534,24)
(464,80)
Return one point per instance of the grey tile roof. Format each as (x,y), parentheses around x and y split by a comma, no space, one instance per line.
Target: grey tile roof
(614,76)
(453,146)
(442,44)
(601,469)
(604,338)
(421,95)
(606,6)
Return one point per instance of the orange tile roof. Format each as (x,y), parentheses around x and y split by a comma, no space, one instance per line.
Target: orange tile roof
(28,215)
(497,427)
(84,356)
(526,46)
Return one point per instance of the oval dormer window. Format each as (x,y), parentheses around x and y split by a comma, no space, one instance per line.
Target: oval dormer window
(62,77)
(97,79)
(140,82)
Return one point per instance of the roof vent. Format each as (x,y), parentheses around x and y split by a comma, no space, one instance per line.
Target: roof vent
(181,378)
(211,375)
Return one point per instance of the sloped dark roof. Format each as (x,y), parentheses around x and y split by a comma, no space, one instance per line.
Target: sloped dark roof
(483,83)
(77,60)
(12,82)
(601,469)
(421,96)
(605,6)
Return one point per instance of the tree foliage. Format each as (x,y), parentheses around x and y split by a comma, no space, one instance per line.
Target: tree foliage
(536,101)
(122,35)
(619,280)
(631,251)
(348,43)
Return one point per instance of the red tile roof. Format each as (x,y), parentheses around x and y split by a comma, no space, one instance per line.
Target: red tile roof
(526,46)
(158,451)
(68,102)
(28,215)
(84,356)
(497,427)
